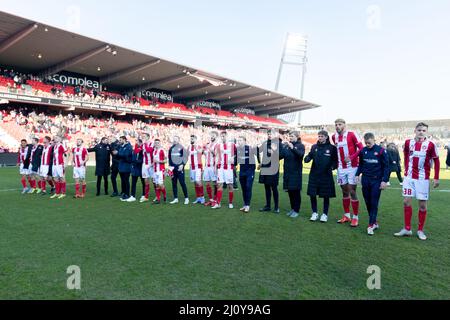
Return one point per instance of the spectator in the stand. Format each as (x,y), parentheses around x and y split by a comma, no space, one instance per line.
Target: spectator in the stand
(102,163)
(394,161)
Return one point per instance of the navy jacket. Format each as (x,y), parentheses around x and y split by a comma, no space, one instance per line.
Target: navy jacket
(125,157)
(247,158)
(374,163)
(136,165)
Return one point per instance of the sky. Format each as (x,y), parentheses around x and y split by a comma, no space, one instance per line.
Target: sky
(368,61)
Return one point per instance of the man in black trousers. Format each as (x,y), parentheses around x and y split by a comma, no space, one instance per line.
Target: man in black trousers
(102,163)
(178,158)
(125,156)
(247,166)
(270,170)
(114,146)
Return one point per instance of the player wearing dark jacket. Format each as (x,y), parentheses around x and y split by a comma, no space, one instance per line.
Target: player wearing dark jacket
(102,163)
(394,161)
(374,167)
(324,158)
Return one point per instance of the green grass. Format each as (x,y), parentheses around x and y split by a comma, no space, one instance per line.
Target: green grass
(143,251)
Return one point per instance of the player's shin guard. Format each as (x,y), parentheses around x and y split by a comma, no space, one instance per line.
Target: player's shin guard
(209,191)
(63,187)
(408,216)
(230,197)
(422,219)
(24,182)
(346,205)
(163,190)
(30,182)
(43,185)
(83,189)
(355,207)
(201,191)
(77,189)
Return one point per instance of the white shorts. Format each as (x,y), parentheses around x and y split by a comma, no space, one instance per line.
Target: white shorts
(58,171)
(419,189)
(23,171)
(346,176)
(147,171)
(43,171)
(209,174)
(196,175)
(225,176)
(79,173)
(158,177)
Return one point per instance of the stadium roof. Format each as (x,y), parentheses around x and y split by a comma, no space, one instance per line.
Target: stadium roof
(45,50)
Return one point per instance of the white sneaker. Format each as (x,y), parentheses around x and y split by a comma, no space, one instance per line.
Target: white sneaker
(294,215)
(231,206)
(175,201)
(421,235)
(25,190)
(186,201)
(376,227)
(131,199)
(401,183)
(388,184)
(403,233)
(216,206)
(370,231)
(324,218)
(314,217)
(197,201)
(142,198)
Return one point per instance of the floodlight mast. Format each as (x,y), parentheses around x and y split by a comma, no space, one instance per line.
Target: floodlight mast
(294,53)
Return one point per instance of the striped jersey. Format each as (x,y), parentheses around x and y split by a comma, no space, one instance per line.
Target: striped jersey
(348,145)
(79,156)
(418,157)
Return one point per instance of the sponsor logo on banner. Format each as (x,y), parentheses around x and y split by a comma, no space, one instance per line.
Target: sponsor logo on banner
(209,104)
(157,94)
(74,80)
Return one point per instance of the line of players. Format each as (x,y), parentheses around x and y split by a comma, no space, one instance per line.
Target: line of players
(42,164)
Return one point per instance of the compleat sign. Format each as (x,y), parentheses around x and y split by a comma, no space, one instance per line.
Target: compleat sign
(74,80)
(208,104)
(157,94)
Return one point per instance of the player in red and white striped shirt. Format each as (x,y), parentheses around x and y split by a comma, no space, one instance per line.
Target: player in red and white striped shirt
(46,161)
(147,165)
(80,157)
(58,170)
(419,155)
(159,168)
(209,173)
(195,153)
(349,145)
(225,153)
(23,167)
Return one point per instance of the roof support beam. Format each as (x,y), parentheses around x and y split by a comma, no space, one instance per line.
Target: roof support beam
(75,60)
(15,38)
(243,98)
(193,88)
(128,71)
(274,106)
(283,109)
(216,94)
(157,82)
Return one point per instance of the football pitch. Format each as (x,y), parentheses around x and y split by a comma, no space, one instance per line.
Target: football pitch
(146,251)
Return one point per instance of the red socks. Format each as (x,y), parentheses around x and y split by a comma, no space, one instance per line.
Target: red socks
(199,191)
(209,191)
(43,185)
(355,207)
(346,204)
(219,196)
(408,216)
(163,190)
(158,193)
(58,187)
(51,183)
(230,197)
(24,182)
(422,219)
(147,190)
(84,189)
